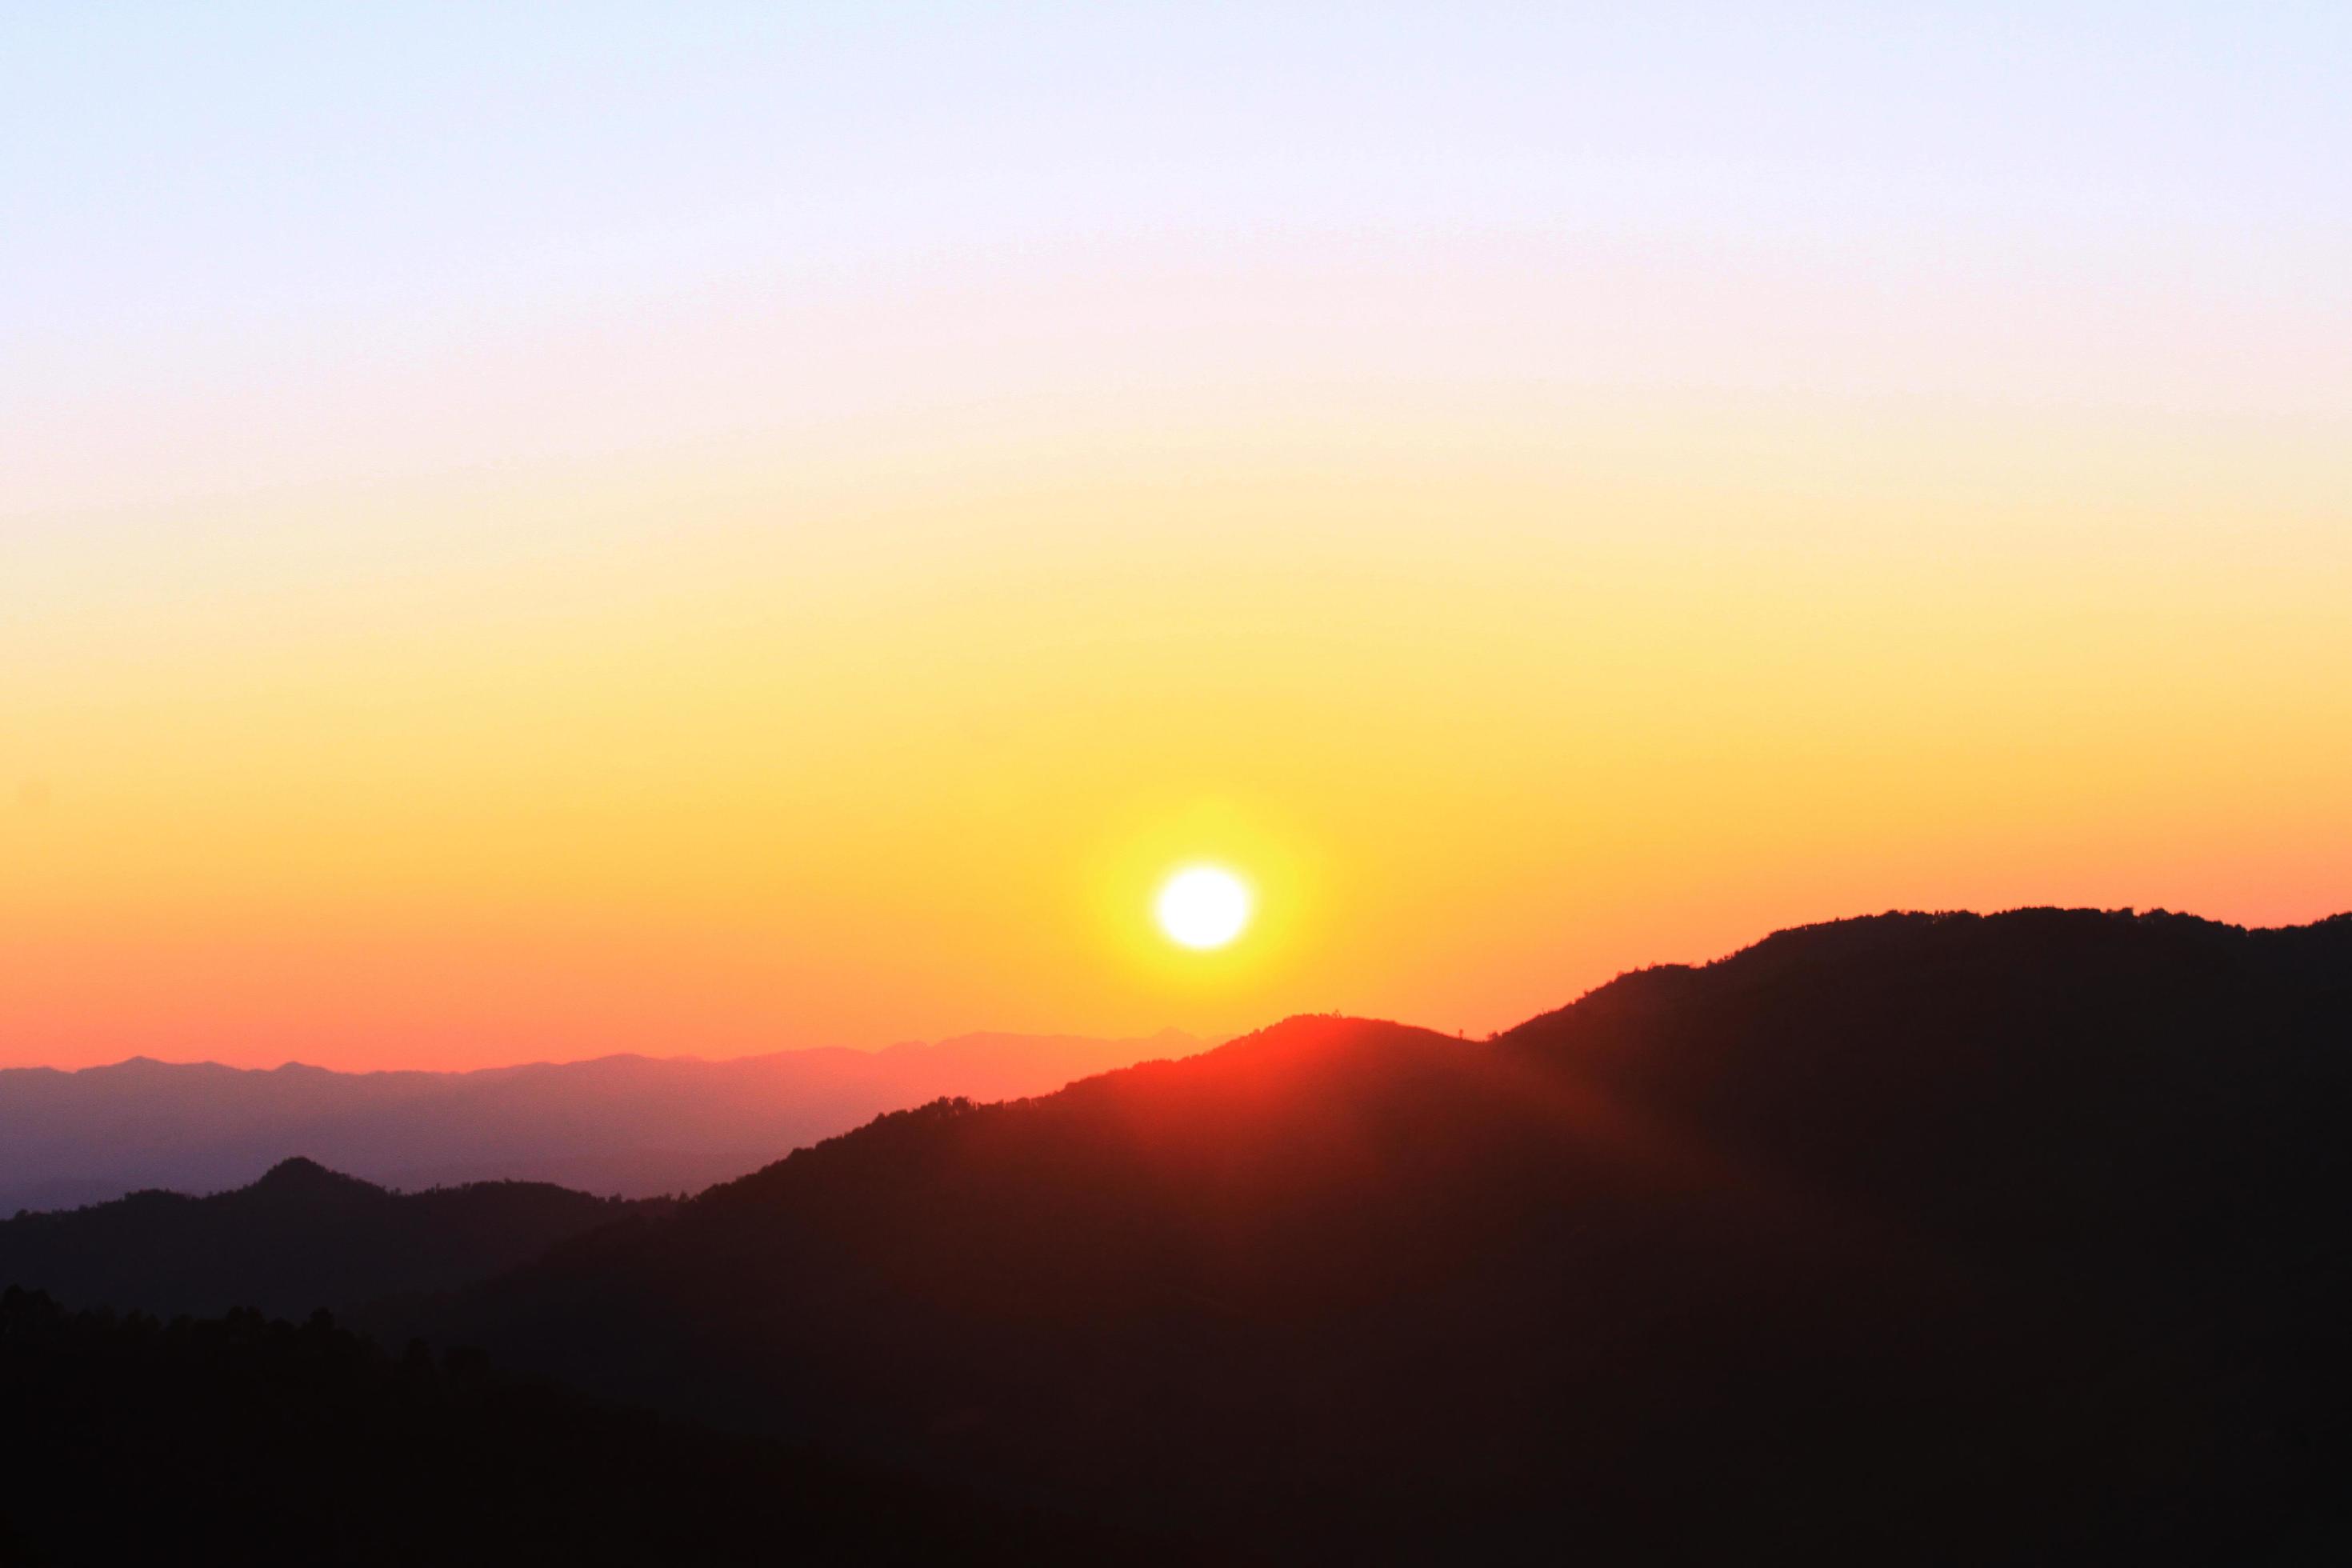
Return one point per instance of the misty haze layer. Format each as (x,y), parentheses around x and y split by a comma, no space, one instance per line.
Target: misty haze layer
(635,1126)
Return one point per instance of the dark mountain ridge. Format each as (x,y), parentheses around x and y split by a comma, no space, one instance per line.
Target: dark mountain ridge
(2145,1088)
(299,1238)
(1927,1238)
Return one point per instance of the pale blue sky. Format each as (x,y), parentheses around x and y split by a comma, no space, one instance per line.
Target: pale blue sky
(174,168)
(256,244)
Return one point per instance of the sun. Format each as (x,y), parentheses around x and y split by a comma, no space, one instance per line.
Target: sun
(1203,907)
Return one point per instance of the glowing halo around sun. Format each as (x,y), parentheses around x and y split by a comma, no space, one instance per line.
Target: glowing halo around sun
(1202,907)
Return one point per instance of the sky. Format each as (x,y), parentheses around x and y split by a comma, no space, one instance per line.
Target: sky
(530,531)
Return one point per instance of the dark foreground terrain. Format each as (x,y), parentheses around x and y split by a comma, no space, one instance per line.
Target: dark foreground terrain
(1919,1239)
(241,1441)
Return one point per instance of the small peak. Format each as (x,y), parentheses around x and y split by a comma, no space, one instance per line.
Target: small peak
(150,1068)
(299,1174)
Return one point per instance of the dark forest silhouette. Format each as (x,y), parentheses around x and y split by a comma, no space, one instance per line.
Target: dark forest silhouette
(239,1440)
(1916,1239)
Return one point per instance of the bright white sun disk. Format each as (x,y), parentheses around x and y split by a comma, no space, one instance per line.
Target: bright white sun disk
(1203,907)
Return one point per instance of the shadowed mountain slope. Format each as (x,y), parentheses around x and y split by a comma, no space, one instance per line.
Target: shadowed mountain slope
(299,1238)
(628,1124)
(2149,1104)
(1914,1239)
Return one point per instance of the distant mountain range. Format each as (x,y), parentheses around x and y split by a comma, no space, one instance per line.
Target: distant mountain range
(628,1125)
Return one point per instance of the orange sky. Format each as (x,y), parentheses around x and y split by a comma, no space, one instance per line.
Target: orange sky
(692,637)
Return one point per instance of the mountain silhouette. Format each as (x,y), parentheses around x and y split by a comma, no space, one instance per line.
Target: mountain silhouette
(298,1179)
(1918,1238)
(299,1238)
(639,1126)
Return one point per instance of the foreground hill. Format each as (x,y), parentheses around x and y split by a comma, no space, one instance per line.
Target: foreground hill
(1915,1238)
(241,1441)
(633,1125)
(299,1238)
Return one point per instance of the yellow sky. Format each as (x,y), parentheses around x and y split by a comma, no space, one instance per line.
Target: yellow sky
(761,532)
(721,756)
